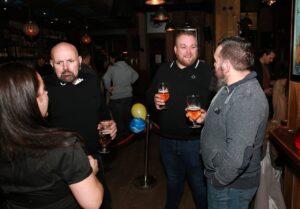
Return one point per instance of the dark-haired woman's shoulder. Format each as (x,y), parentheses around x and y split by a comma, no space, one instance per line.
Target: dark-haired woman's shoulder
(70,160)
(73,141)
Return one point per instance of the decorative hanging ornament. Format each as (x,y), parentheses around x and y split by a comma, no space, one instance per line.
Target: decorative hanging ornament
(31,29)
(86,39)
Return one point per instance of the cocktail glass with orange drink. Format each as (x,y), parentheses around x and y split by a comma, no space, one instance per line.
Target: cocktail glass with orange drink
(164,94)
(193,109)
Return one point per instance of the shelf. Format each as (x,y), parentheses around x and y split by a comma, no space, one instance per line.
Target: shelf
(16,45)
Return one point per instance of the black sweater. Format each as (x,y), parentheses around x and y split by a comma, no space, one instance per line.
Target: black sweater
(195,79)
(77,107)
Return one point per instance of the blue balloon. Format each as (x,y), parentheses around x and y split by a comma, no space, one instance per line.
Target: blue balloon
(137,125)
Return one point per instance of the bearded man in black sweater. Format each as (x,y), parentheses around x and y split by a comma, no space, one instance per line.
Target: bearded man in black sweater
(179,144)
(76,104)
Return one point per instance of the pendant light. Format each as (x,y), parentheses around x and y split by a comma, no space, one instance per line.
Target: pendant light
(161,14)
(170,26)
(269,2)
(187,26)
(30,28)
(155,2)
(86,38)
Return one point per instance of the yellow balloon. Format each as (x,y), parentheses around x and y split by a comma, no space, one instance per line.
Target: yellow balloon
(138,110)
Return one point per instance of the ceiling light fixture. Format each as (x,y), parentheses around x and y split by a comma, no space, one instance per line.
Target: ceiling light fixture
(161,14)
(269,2)
(86,39)
(30,28)
(155,2)
(186,26)
(169,26)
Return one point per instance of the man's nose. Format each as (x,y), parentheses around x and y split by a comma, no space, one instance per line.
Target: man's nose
(188,50)
(65,65)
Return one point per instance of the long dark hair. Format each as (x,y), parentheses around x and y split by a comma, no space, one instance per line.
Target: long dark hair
(23,130)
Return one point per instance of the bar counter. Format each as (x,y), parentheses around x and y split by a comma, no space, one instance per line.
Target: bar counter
(283,140)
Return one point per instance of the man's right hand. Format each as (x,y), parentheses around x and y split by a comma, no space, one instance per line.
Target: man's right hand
(268,91)
(159,103)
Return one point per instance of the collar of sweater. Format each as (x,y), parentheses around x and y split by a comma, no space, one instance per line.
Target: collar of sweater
(250,76)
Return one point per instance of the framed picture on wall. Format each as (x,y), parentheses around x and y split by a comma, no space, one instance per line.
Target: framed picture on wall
(295,71)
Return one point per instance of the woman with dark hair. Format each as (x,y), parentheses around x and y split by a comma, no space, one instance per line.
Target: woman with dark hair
(40,167)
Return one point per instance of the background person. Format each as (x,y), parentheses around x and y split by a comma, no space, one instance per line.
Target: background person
(76,103)
(264,75)
(87,66)
(40,167)
(42,66)
(86,63)
(118,81)
(179,144)
(234,128)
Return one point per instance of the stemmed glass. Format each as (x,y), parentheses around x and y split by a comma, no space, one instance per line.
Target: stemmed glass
(193,109)
(163,92)
(104,136)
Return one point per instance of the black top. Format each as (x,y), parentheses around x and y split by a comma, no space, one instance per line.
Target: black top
(77,107)
(257,67)
(42,182)
(194,79)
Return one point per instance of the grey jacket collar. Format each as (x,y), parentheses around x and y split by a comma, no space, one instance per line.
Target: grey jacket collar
(250,76)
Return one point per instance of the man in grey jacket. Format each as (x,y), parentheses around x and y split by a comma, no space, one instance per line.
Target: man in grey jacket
(234,128)
(118,81)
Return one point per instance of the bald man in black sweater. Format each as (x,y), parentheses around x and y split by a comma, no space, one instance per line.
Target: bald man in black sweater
(76,104)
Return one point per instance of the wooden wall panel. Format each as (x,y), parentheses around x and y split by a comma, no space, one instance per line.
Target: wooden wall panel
(294,106)
(227,17)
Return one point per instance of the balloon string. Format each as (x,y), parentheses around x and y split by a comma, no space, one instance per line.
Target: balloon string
(156,126)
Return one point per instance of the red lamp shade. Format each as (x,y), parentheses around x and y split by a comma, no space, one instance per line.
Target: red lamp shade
(31,29)
(86,39)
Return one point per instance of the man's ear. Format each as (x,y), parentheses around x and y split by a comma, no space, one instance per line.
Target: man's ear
(226,65)
(80,59)
(51,63)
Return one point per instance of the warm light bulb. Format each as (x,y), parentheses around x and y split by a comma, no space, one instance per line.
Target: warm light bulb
(31,29)
(155,2)
(86,39)
(270,2)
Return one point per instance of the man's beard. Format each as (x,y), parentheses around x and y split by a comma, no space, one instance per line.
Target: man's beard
(220,83)
(185,62)
(220,76)
(67,76)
